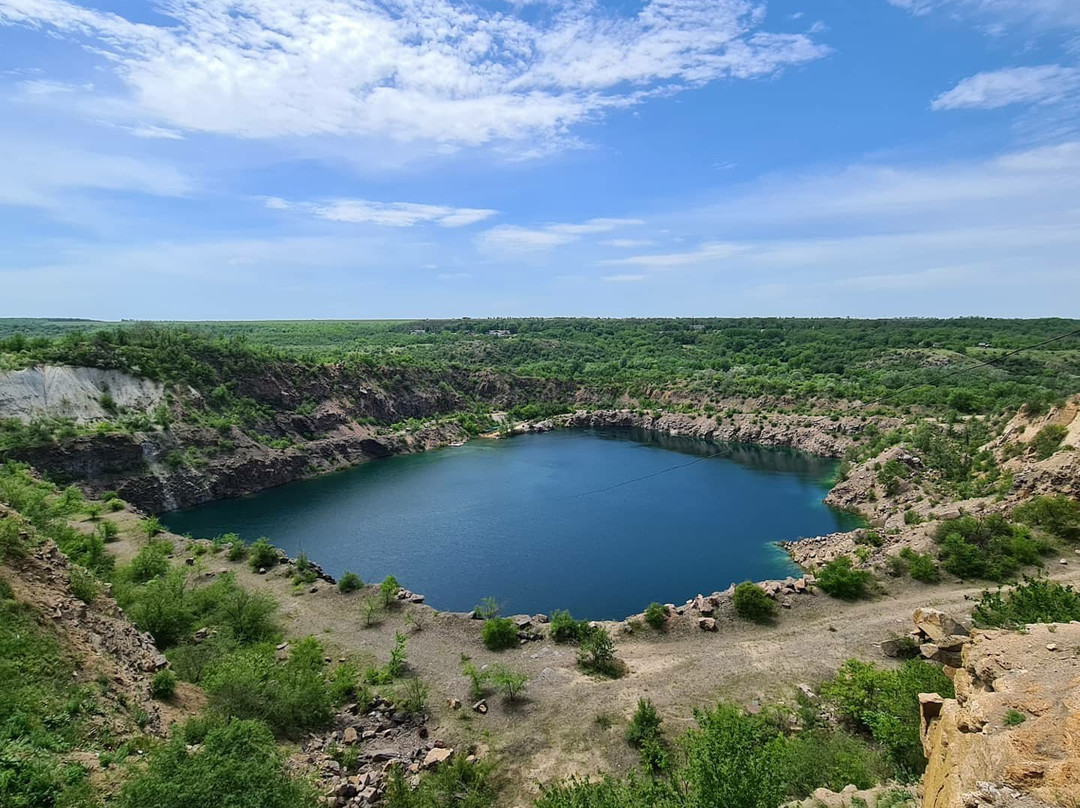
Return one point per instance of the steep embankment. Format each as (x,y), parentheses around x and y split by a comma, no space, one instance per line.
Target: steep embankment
(258,430)
(1011,737)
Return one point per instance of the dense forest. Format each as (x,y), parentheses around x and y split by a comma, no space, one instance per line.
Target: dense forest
(969,365)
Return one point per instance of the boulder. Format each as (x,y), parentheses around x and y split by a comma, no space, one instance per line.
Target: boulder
(350,736)
(706,623)
(480,707)
(937,625)
(436,756)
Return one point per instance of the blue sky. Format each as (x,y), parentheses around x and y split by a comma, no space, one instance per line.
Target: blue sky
(228,159)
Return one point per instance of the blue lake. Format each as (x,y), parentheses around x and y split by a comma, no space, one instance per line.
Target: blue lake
(598,522)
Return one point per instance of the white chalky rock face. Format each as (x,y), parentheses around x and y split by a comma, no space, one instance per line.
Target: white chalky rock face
(70,392)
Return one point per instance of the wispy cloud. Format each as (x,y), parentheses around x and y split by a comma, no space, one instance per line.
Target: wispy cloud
(1045,84)
(513,238)
(389,214)
(996,15)
(447,72)
(710,252)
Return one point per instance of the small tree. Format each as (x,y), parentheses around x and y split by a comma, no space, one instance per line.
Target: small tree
(656,615)
(510,683)
(840,579)
(565,628)
(500,633)
(488,609)
(751,602)
(349,582)
(262,555)
(371,609)
(414,696)
(597,652)
(389,589)
(645,724)
(477,680)
(152,527)
(163,685)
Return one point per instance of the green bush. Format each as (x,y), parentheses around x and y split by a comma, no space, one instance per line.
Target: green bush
(510,683)
(237,549)
(500,633)
(751,602)
(1036,600)
(988,547)
(84,585)
(1014,718)
(458,782)
(921,566)
(1047,440)
(262,555)
(152,561)
(413,697)
(656,616)
(597,652)
(840,579)
(349,582)
(292,698)
(152,526)
(644,724)
(389,589)
(565,628)
(162,607)
(163,685)
(1058,515)
(236,765)
(108,531)
(885,704)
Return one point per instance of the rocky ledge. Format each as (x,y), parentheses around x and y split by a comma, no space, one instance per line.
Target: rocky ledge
(1011,737)
(828,436)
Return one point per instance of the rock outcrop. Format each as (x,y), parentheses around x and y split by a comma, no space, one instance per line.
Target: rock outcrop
(1011,737)
(82,394)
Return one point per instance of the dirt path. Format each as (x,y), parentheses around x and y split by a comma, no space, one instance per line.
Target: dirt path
(570,723)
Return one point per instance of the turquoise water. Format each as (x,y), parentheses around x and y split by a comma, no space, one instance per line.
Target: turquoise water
(534,521)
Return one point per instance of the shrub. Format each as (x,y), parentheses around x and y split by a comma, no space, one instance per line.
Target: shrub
(921,566)
(349,582)
(565,628)
(163,609)
(458,782)
(163,685)
(1047,440)
(108,531)
(262,555)
(152,526)
(1058,515)
(1014,718)
(488,609)
(371,609)
(989,547)
(477,680)
(152,561)
(414,696)
(389,589)
(751,602)
(597,652)
(840,579)
(510,683)
(12,543)
(644,725)
(292,697)
(1036,600)
(656,616)
(885,704)
(500,633)
(236,765)
(237,549)
(248,616)
(84,585)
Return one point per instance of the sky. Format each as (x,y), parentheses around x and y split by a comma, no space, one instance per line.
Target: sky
(258,159)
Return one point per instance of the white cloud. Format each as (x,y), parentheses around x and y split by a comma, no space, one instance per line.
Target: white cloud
(388,214)
(628,243)
(707,253)
(1045,84)
(42,174)
(625,278)
(996,15)
(433,70)
(513,238)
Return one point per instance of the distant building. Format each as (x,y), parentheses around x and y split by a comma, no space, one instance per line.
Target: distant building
(697,327)
(418,331)
(498,332)
(984,344)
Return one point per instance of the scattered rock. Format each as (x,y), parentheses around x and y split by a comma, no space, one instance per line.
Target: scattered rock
(436,756)
(706,623)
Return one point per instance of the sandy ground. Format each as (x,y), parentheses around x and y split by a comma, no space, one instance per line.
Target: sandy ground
(570,723)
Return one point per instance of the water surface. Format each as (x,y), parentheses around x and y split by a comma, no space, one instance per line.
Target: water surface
(544,522)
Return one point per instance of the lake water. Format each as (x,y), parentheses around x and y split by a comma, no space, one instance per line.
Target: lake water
(562,520)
